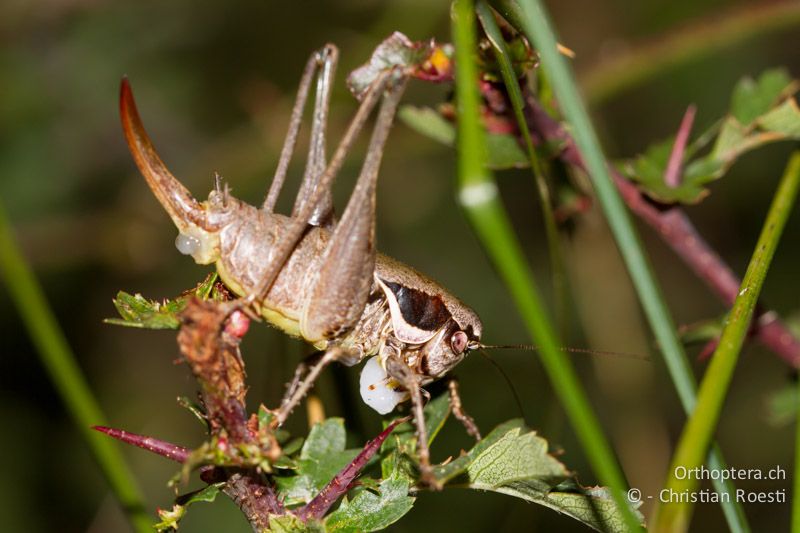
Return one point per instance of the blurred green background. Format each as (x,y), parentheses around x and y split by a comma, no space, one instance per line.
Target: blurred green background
(215,83)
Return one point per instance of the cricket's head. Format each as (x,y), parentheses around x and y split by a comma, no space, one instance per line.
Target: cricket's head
(437,329)
(199,223)
(451,344)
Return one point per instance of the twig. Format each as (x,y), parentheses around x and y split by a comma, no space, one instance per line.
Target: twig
(674,227)
(157,446)
(342,482)
(672,175)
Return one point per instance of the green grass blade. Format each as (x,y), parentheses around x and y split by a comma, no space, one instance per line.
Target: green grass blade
(501,53)
(531,17)
(65,374)
(478,194)
(699,430)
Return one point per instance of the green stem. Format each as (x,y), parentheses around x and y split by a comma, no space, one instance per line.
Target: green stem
(511,82)
(530,16)
(537,28)
(478,194)
(65,374)
(699,430)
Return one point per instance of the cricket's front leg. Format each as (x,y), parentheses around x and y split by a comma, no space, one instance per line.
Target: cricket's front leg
(399,370)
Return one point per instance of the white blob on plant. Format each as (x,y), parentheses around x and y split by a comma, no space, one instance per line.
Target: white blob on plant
(186,244)
(378,389)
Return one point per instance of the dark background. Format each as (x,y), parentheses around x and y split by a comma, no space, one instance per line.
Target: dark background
(215,83)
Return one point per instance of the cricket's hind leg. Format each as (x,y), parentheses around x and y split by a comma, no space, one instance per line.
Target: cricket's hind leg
(316,161)
(339,288)
(323,63)
(298,224)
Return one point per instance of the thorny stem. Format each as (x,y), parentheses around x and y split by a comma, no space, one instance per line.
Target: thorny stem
(159,447)
(674,227)
(212,352)
(341,483)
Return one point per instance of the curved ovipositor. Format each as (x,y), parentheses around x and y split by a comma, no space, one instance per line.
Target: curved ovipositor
(196,225)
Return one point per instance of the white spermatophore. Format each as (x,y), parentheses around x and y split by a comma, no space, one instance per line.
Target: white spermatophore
(378,389)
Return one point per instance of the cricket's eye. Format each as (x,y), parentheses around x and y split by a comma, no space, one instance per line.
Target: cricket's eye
(458,342)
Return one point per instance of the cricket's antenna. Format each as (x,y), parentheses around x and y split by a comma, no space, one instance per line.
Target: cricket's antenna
(507,380)
(588,351)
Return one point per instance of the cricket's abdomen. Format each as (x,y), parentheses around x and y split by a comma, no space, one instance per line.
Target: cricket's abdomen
(245,250)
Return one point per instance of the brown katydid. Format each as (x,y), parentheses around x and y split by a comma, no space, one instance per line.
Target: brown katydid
(319,278)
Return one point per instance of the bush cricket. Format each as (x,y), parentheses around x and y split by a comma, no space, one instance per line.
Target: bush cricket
(320,278)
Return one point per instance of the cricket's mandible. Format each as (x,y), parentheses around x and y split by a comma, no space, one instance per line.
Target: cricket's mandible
(318,277)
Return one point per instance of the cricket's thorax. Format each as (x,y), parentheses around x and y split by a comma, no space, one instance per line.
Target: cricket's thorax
(406,312)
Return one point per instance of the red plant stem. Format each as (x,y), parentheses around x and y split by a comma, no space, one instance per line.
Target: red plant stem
(672,174)
(341,482)
(159,447)
(674,227)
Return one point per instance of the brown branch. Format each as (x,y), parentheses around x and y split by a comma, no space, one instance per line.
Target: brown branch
(674,227)
(209,341)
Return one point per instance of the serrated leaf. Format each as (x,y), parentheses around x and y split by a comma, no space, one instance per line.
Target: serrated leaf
(323,455)
(593,506)
(762,111)
(513,457)
(752,98)
(514,460)
(372,512)
(136,311)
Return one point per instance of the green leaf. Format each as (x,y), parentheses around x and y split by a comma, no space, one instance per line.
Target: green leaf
(138,312)
(429,123)
(516,456)
(504,150)
(592,506)
(514,460)
(371,512)
(399,450)
(169,519)
(323,455)
(752,98)
(782,406)
(290,524)
(762,111)
(702,331)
